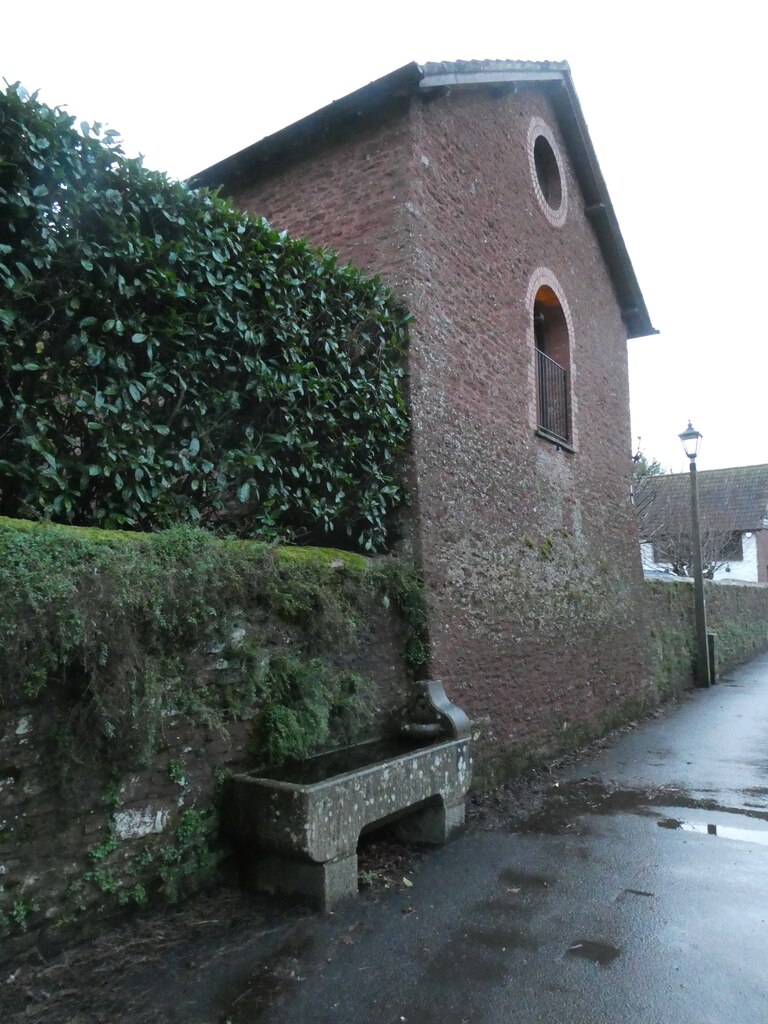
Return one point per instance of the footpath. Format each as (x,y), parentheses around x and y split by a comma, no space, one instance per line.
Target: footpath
(635,891)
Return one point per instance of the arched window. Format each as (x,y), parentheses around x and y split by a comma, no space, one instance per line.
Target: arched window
(553,360)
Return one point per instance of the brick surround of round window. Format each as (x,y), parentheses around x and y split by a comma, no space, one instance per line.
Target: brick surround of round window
(547,172)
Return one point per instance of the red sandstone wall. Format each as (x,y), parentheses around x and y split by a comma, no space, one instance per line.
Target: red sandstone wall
(350,196)
(530,553)
(736,612)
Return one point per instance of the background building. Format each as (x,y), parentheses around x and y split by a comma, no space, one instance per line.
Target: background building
(733,507)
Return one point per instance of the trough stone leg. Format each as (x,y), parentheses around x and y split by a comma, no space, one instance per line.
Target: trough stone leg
(322,886)
(432,824)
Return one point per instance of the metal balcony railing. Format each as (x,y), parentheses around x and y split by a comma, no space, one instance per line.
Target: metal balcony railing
(552,396)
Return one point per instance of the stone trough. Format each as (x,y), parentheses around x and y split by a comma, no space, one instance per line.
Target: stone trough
(298,829)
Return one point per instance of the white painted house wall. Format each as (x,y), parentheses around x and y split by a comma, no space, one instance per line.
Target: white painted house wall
(745,570)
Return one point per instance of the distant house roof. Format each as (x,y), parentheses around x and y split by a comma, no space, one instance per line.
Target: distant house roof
(356,109)
(730,501)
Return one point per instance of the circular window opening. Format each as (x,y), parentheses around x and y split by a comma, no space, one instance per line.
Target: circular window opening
(547,172)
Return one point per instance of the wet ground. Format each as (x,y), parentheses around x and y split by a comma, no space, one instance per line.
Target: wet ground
(629,885)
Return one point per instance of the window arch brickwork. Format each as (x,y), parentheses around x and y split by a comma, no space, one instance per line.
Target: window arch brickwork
(550,339)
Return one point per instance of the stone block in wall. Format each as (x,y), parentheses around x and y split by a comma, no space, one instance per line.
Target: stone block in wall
(140,819)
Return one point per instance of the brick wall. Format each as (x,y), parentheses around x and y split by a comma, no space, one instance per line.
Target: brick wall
(351,196)
(530,553)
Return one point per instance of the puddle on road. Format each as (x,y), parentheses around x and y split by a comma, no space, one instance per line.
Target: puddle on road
(569,802)
(600,953)
(746,835)
(465,959)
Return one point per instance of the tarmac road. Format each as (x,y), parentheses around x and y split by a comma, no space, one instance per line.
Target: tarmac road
(638,894)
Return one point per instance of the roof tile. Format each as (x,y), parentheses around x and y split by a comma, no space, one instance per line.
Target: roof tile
(730,500)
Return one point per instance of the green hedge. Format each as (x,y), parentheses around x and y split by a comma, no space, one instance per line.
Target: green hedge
(164,358)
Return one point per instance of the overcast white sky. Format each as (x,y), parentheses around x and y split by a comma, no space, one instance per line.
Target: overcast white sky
(674,94)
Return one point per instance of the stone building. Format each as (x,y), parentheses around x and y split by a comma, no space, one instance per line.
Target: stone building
(474,190)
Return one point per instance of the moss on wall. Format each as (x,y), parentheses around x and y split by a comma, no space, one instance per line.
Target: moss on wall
(737,613)
(136,670)
(116,625)
(568,737)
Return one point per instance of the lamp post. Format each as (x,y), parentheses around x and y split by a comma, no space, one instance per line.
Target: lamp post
(691,439)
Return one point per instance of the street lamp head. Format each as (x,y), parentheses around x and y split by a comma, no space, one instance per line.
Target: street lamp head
(691,440)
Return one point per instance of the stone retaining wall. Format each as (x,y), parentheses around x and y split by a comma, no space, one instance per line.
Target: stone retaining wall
(109,781)
(737,612)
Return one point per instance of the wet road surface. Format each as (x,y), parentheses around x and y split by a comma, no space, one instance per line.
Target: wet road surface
(635,891)
(638,893)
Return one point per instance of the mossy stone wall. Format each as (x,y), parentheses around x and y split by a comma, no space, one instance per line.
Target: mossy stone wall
(736,612)
(137,671)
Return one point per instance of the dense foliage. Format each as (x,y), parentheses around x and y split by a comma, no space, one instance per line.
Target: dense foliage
(164,358)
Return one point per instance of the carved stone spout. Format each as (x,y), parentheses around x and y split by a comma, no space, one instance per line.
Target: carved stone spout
(430,714)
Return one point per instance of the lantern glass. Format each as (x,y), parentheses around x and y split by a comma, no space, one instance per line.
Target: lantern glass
(691,440)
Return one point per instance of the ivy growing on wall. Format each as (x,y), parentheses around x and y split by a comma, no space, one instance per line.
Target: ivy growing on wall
(122,630)
(166,359)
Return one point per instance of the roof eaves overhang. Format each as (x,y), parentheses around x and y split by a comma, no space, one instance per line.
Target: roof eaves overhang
(321,125)
(556,80)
